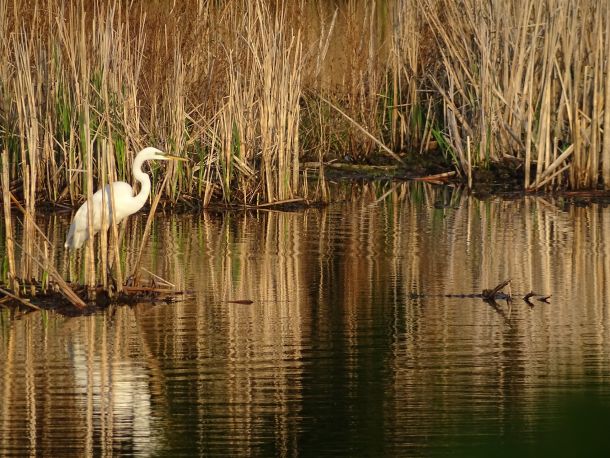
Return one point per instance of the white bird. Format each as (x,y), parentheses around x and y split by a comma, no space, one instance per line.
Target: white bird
(125,202)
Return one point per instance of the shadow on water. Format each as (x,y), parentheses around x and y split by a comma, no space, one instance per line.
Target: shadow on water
(360,337)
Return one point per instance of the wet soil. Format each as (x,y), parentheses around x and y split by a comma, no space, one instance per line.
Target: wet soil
(495,178)
(498,179)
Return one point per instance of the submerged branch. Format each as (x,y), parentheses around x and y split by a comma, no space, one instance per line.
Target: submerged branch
(491,294)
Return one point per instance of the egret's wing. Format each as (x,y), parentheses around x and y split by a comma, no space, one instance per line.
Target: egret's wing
(123,200)
(79,229)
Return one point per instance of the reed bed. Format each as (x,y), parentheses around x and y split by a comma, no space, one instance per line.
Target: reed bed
(248,90)
(527,82)
(251,90)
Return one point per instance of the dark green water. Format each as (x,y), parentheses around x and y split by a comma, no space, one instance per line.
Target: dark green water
(350,347)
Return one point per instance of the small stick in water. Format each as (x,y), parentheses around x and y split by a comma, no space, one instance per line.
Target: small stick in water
(491,294)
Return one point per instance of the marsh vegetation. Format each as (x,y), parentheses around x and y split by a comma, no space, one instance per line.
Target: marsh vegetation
(347,327)
(263,97)
(250,90)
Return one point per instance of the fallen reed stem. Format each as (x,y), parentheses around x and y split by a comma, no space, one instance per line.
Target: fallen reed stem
(21,300)
(387,150)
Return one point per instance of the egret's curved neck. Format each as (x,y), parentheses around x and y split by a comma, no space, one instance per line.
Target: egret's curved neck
(144,180)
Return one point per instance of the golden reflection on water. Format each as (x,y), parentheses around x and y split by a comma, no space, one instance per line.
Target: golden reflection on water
(350,337)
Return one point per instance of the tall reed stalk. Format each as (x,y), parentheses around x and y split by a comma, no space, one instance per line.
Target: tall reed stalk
(257,130)
(13,282)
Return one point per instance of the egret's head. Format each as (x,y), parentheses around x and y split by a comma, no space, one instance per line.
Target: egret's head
(151,154)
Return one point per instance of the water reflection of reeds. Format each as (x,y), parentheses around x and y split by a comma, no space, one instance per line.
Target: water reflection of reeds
(348,320)
(74,386)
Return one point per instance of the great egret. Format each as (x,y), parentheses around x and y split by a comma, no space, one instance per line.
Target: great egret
(125,202)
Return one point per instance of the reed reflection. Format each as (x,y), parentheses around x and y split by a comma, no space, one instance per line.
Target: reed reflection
(86,390)
(354,335)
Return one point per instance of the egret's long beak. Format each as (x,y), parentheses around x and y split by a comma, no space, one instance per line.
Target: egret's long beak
(175,158)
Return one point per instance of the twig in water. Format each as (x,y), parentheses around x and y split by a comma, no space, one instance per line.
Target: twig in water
(527,297)
(156,277)
(439,177)
(491,294)
(17,298)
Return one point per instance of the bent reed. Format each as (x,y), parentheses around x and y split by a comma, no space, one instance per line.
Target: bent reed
(248,90)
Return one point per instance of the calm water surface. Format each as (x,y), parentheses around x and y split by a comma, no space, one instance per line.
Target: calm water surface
(350,347)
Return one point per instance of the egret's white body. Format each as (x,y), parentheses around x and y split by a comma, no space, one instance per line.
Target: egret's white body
(126,203)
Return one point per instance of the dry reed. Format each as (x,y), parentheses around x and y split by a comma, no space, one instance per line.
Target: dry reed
(85,85)
(529,81)
(8,224)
